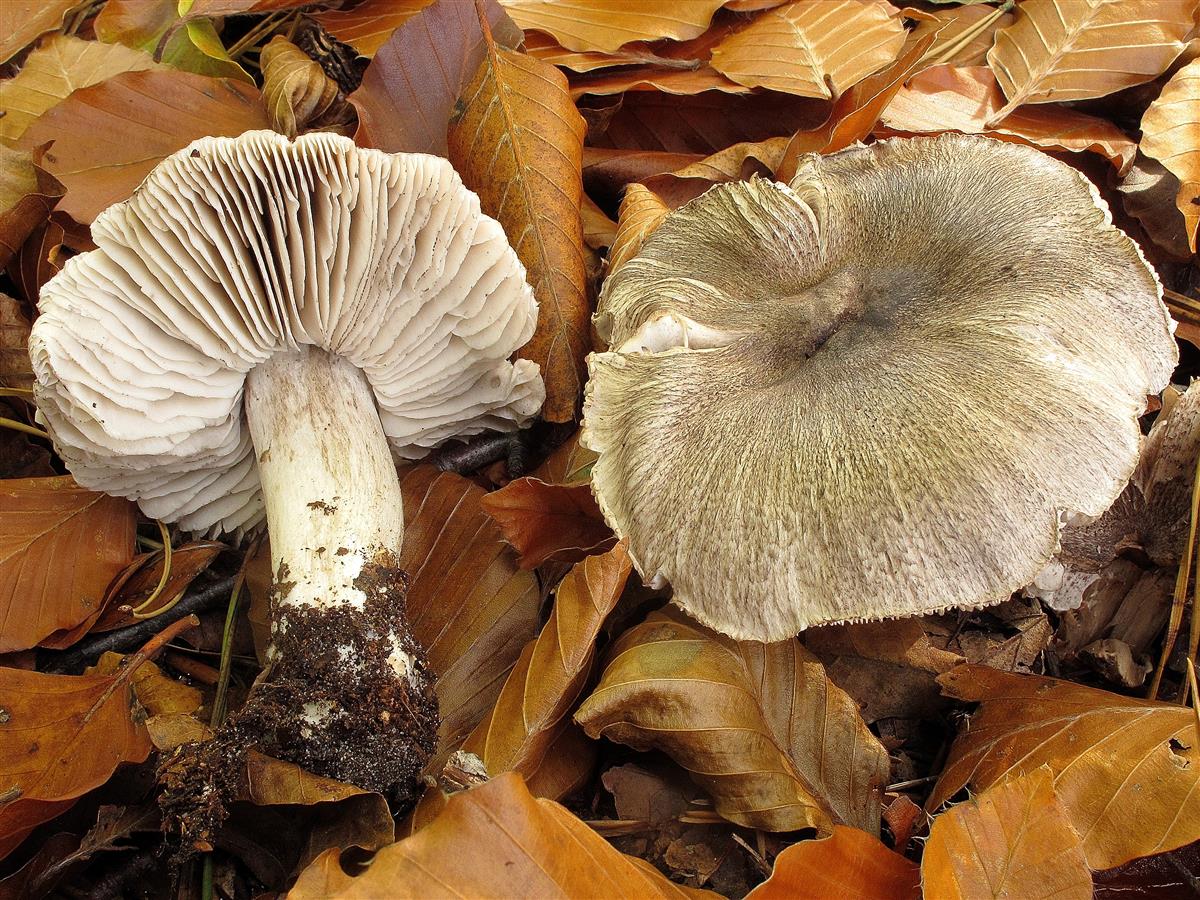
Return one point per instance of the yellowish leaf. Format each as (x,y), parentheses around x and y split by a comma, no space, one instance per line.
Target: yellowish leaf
(296,89)
(962,35)
(23,21)
(849,865)
(27,195)
(606,25)
(598,229)
(15,370)
(1171,134)
(641,212)
(159,693)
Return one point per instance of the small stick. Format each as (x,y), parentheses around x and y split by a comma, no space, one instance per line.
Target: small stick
(193,668)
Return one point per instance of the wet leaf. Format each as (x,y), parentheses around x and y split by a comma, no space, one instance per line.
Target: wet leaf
(1115,759)
(517,141)
(1065,50)
(27,194)
(606,25)
(369,24)
(495,839)
(411,87)
(1014,840)
(60,545)
(1171,134)
(109,136)
(534,707)
(813,48)
(849,864)
(23,21)
(759,726)
(296,90)
(641,212)
(549,521)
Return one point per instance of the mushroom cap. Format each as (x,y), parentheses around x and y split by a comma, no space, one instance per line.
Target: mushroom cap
(872,393)
(236,249)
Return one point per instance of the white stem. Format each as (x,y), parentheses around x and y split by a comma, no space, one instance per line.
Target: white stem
(332,495)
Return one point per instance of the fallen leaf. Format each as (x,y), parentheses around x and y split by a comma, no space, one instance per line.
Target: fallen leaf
(900,641)
(570,463)
(1171,134)
(160,694)
(60,545)
(962,36)
(1148,194)
(135,585)
(517,141)
(39,259)
(1013,840)
(24,21)
(903,818)
(535,704)
(368,25)
(813,48)
(607,172)
(410,89)
(296,91)
(15,370)
(1066,50)
(759,726)
(109,136)
(849,864)
(606,25)
(737,163)
(495,839)
(175,729)
(948,98)
(1115,759)
(655,78)
(549,521)
(189,43)
(60,736)
(598,229)
(209,8)
(641,212)
(637,53)
(27,194)
(469,605)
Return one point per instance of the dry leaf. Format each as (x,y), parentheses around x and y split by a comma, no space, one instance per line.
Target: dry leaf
(139,581)
(296,89)
(1148,194)
(549,521)
(189,43)
(412,86)
(962,35)
(517,140)
(599,230)
(641,212)
(109,136)
(60,736)
(606,25)
(158,693)
(60,545)
(15,369)
(655,78)
(23,21)
(1071,50)
(27,194)
(534,707)
(813,48)
(1013,840)
(759,726)
(900,641)
(849,864)
(947,98)
(60,65)
(368,25)
(607,173)
(494,840)
(470,607)
(736,163)
(1115,759)
(639,53)
(1171,134)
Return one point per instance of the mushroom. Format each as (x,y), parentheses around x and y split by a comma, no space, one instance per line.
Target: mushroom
(875,392)
(263,326)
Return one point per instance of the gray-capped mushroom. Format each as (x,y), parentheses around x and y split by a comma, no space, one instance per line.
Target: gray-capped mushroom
(264,324)
(874,392)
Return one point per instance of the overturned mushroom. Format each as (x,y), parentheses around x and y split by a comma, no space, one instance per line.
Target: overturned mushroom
(872,393)
(264,324)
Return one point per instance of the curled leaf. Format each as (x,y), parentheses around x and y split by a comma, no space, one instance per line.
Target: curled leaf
(1171,134)
(296,89)
(27,195)
(549,521)
(641,212)
(607,25)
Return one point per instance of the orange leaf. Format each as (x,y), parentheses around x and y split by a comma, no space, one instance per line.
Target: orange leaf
(849,864)
(137,583)
(549,50)
(962,35)
(655,78)
(15,370)
(368,25)
(494,840)
(1171,134)
(549,521)
(641,212)
(60,545)
(517,140)
(23,21)
(598,229)
(1014,840)
(606,25)
(109,136)
(534,707)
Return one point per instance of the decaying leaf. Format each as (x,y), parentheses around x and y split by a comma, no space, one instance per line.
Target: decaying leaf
(296,90)
(759,726)
(492,835)
(1071,50)
(23,21)
(1171,134)
(606,25)
(1013,840)
(813,48)
(60,545)
(517,141)
(549,521)
(368,25)
(534,706)
(641,212)
(1115,759)
(109,136)
(849,864)
(27,194)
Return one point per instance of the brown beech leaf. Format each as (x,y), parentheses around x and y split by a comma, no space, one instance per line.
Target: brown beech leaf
(900,641)
(15,370)
(1069,50)
(641,212)
(639,53)
(23,21)
(160,694)
(1013,840)
(412,86)
(760,726)
(813,48)
(606,25)
(534,707)
(607,172)
(27,194)
(470,606)
(517,140)
(598,229)
(736,163)
(950,98)
(368,25)
(62,736)
(549,521)
(139,581)
(1171,134)
(495,840)
(60,545)
(109,136)
(1116,760)
(296,89)
(962,35)
(655,78)
(849,864)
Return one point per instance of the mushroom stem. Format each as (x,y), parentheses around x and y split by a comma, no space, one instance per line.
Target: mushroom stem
(349,683)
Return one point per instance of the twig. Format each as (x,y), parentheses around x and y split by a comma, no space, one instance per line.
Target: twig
(1181,587)
(21,426)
